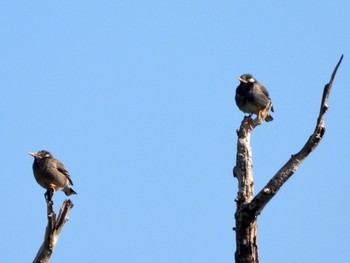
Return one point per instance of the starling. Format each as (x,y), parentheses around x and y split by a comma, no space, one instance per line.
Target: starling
(50,173)
(252,97)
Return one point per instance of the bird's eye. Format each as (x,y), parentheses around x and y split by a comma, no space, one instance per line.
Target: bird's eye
(47,155)
(251,80)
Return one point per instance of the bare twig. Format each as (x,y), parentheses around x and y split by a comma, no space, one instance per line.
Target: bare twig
(53,229)
(272,187)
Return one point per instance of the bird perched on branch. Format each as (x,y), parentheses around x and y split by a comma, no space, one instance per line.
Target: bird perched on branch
(51,174)
(253,98)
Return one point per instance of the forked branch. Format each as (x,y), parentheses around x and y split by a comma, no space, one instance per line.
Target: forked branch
(272,187)
(53,228)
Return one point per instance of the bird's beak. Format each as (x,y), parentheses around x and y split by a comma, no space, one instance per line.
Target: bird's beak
(242,80)
(32,154)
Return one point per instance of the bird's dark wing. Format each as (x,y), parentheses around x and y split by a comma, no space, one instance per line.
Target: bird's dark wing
(266,93)
(60,167)
(264,90)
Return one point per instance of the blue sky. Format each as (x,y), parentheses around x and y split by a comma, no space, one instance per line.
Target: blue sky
(136,99)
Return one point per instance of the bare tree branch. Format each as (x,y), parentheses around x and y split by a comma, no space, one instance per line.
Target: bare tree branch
(272,187)
(53,229)
(248,206)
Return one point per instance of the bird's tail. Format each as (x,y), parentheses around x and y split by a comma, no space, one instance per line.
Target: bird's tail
(69,191)
(268,118)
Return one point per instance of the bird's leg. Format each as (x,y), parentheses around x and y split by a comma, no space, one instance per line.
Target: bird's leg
(264,112)
(261,114)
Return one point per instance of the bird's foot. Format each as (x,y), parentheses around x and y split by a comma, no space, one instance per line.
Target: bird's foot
(52,187)
(248,121)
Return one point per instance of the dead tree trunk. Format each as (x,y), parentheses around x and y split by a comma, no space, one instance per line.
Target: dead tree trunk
(53,229)
(248,206)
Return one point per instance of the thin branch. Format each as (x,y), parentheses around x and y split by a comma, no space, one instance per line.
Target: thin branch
(53,228)
(272,187)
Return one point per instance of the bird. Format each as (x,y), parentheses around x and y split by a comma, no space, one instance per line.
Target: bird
(252,97)
(51,174)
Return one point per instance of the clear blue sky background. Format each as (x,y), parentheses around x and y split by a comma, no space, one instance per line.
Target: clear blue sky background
(136,99)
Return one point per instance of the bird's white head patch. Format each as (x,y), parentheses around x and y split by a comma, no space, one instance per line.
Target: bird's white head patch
(251,80)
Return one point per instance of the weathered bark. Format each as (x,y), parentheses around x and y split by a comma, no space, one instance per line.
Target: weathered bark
(248,206)
(53,229)
(246,224)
